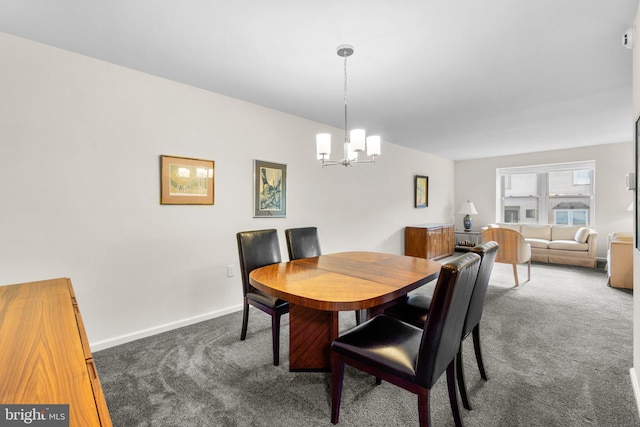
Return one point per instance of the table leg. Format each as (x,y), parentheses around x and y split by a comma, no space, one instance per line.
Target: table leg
(311,334)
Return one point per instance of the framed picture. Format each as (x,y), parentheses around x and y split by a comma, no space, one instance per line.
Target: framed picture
(422,191)
(186,181)
(269,189)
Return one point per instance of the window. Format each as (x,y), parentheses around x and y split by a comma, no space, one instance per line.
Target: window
(511,214)
(519,196)
(571,217)
(548,194)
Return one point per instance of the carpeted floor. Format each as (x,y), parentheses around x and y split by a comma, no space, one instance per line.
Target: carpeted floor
(557,351)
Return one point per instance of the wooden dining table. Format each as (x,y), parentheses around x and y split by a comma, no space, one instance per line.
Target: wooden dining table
(318,288)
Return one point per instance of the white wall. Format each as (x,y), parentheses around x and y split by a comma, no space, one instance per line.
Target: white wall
(476,181)
(80,141)
(635,371)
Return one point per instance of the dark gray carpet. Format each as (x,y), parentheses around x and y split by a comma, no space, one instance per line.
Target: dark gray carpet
(557,351)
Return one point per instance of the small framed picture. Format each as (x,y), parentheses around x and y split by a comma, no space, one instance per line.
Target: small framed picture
(422,191)
(186,181)
(269,189)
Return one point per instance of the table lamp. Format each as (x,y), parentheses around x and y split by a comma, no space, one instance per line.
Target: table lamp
(468,209)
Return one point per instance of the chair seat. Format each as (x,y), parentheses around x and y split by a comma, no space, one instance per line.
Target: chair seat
(413,310)
(267,300)
(385,343)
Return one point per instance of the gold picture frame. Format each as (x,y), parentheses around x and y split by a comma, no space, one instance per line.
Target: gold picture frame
(421,195)
(186,181)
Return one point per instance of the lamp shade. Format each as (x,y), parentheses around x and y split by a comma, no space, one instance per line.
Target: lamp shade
(352,155)
(357,140)
(468,208)
(323,144)
(373,145)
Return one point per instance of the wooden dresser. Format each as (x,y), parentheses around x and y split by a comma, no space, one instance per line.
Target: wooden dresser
(44,352)
(431,241)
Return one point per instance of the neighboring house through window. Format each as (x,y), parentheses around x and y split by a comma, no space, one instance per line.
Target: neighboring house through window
(560,193)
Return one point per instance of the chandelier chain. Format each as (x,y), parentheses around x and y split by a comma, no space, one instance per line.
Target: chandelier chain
(346,137)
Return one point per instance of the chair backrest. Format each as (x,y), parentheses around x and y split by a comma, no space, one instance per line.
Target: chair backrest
(620,236)
(256,249)
(302,242)
(513,249)
(487,252)
(443,328)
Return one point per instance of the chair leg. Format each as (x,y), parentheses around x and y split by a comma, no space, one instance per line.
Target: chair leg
(337,375)
(275,337)
(453,395)
(476,346)
(358,317)
(245,321)
(424,407)
(515,273)
(461,384)
(529,271)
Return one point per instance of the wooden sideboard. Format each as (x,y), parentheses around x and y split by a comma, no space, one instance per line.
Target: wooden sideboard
(431,241)
(45,357)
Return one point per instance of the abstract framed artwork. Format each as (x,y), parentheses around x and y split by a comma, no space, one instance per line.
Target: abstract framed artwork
(186,181)
(421,191)
(269,189)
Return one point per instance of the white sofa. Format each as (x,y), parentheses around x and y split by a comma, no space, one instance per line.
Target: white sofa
(558,244)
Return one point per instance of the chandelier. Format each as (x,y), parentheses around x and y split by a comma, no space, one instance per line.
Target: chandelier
(354,141)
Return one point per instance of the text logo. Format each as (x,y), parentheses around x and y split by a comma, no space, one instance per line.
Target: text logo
(34,415)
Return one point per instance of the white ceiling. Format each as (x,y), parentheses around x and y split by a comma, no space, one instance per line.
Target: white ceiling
(460,79)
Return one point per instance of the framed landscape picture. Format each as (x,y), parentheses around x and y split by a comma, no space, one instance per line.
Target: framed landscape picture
(422,191)
(269,189)
(186,181)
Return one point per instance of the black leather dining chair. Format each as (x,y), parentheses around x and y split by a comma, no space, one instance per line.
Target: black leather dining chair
(415,310)
(303,242)
(405,355)
(257,249)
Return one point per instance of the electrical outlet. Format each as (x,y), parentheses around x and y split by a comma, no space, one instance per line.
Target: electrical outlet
(230,271)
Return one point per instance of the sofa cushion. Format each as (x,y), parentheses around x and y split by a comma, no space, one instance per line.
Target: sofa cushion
(581,235)
(512,226)
(537,243)
(568,245)
(564,232)
(536,231)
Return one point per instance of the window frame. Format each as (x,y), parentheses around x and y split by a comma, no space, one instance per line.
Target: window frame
(543,198)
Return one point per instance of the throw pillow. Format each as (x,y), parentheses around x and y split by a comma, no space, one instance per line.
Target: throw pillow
(581,235)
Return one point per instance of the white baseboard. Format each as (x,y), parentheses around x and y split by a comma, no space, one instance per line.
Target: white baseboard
(636,388)
(123,339)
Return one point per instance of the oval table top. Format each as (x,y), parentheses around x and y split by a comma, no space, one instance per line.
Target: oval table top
(345,280)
